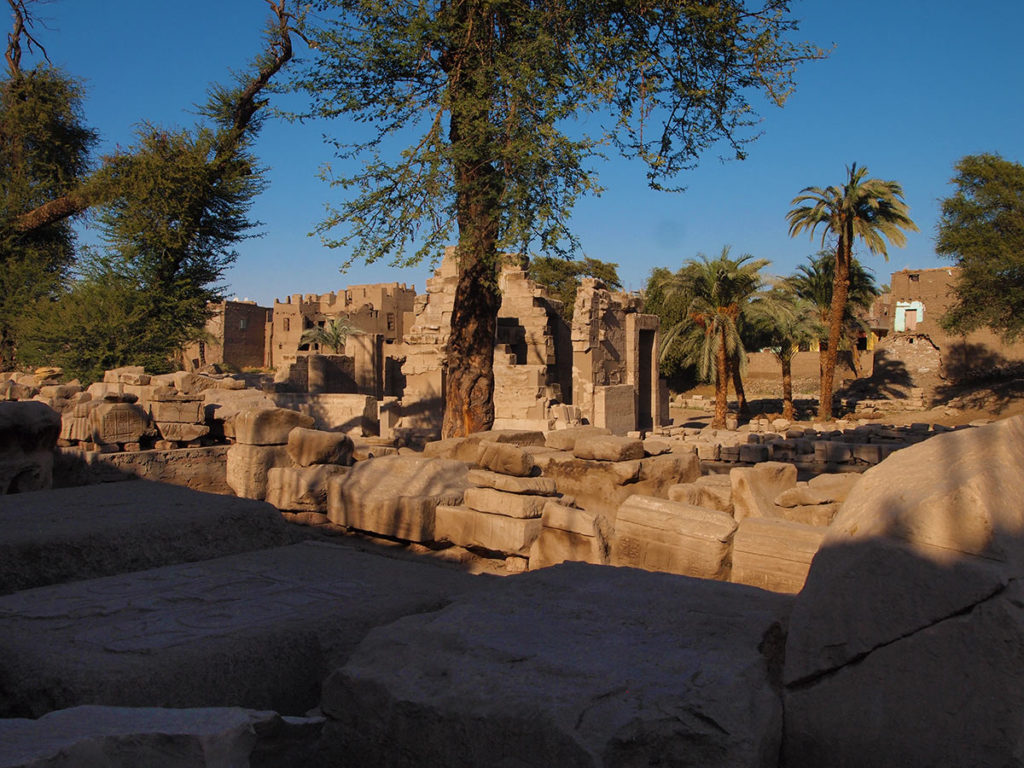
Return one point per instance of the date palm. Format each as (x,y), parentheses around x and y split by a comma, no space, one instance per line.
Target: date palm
(872,210)
(333,335)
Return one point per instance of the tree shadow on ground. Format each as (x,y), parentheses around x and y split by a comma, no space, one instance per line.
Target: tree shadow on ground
(890,380)
(979,377)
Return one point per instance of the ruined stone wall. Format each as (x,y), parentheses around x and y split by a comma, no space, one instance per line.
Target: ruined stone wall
(236,335)
(201,469)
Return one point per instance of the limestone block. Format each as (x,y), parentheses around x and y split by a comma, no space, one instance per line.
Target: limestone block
(100,737)
(708,491)
(754,489)
(113,376)
(505,459)
(465,449)
(192,383)
(467,527)
(803,494)
(521,437)
(182,409)
(656,447)
(182,433)
(366,448)
(396,495)
(570,534)
(268,426)
(222,405)
(501,503)
(832,452)
(117,423)
(575,665)
(247,467)
(615,408)
(351,413)
(774,554)
(537,486)
(662,535)
(608,448)
(836,487)
(708,451)
(312,446)
(868,453)
(752,453)
(565,439)
(301,489)
(28,436)
(820,515)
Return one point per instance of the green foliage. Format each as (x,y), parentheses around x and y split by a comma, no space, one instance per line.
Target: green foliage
(670,306)
(813,282)
(784,320)
(563,277)
(982,228)
(332,336)
(44,153)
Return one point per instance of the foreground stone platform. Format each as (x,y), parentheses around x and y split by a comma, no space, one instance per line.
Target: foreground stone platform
(49,537)
(574,665)
(259,630)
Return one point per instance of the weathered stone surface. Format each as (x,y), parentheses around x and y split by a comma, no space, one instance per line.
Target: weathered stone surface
(183,409)
(221,406)
(193,383)
(536,486)
(836,486)
(308,447)
(505,459)
(259,629)
(182,433)
(28,435)
(396,495)
(247,467)
(570,534)
(268,426)
(520,437)
(919,573)
(754,489)
(820,515)
(661,535)
(498,533)
(565,439)
(465,449)
(774,554)
(79,533)
(608,448)
(301,489)
(656,447)
(350,413)
(117,423)
(601,486)
(113,376)
(502,503)
(709,491)
(120,737)
(572,666)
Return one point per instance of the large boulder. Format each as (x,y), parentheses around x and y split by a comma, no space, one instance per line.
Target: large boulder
(575,665)
(905,646)
(28,435)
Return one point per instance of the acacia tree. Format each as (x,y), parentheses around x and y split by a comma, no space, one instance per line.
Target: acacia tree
(870,209)
(489,95)
(981,227)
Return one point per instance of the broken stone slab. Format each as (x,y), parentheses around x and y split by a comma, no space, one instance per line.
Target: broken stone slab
(28,436)
(247,467)
(118,423)
(396,495)
(98,530)
(466,527)
(268,426)
(308,447)
(709,491)
(181,408)
(608,448)
(754,489)
(575,665)
(819,515)
(505,459)
(836,486)
(570,534)
(113,376)
(221,406)
(520,437)
(182,433)
(662,535)
(501,503)
(465,449)
(92,736)
(301,489)
(536,486)
(774,554)
(565,439)
(259,630)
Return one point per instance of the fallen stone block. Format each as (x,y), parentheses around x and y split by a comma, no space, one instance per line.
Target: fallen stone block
(661,535)
(537,486)
(570,534)
(608,448)
(301,489)
(28,436)
(467,527)
(102,737)
(754,489)
(268,426)
(182,433)
(308,447)
(259,630)
(117,423)
(709,491)
(177,408)
(575,665)
(505,459)
(774,554)
(248,465)
(502,503)
(98,530)
(521,437)
(565,439)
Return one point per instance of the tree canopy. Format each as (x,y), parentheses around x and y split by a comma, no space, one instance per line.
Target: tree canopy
(563,277)
(503,106)
(981,227)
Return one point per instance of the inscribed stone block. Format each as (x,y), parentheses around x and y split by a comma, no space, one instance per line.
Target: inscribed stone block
(505,459)
(536,486)
(301,489)
(117,423)
(268,426)
(501,503)
(498,533)
(247,467)
(774,554)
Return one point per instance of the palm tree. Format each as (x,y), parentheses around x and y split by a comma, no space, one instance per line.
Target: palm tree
(718,289)
(870,209)
(333,335)
(814,281)
(786,321)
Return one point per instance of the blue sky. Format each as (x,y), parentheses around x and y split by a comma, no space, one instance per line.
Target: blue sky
(909,87)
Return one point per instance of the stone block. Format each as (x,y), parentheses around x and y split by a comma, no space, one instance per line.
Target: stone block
(662,535)
(570,534)
(301,489)
(309,447)
(537,486)
(708,491)
(708,451)
(113,376)
(259,630)
(268,426)
(754,489)
(751,453)
(505,459)
(615,408)
(182,433)
(465,449)
(28,436)
(834,487)
(521,437)
(820,515)
(565,439)
(184,410)
(117,423)
(497,533)
(501,503)
(248,465)
(608,448)
(774,554)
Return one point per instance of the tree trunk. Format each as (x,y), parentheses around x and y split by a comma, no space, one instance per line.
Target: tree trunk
(721,386)
(840,289)
(469,356)
(788,411)
(741,396)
